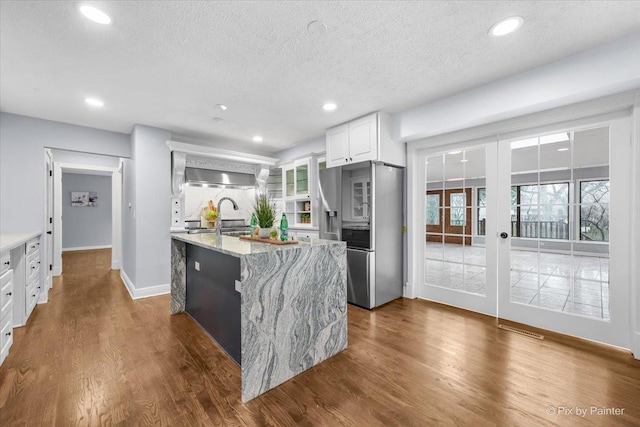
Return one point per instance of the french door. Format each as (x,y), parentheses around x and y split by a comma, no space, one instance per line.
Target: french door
(533,227)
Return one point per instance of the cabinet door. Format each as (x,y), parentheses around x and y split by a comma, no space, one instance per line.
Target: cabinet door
(363,139)
(360,199)
(338,146)
(302,179)
(289,177)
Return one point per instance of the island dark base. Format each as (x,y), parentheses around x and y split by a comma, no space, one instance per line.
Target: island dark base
(212,299)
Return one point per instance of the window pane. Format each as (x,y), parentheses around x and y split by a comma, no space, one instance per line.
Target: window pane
(594,210)
(433,209)
(482,197)
(457,204)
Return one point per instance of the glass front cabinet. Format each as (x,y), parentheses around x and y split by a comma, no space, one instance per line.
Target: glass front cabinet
(360,199)
(298,189)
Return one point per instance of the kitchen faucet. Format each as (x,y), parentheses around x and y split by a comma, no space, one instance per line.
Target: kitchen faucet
(219,217)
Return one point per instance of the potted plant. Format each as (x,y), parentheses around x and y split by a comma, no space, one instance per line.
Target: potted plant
(265,214)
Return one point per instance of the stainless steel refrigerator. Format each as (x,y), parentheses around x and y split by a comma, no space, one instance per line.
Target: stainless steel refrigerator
(362,204)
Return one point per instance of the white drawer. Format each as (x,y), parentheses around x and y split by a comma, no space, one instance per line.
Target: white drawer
(6,336)
(31,299)
(5,261)
(6,293)
(32,245)
(33,266)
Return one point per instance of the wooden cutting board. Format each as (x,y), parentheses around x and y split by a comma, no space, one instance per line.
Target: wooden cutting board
(268,240)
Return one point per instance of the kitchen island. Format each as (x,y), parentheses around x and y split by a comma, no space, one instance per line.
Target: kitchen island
(276,310)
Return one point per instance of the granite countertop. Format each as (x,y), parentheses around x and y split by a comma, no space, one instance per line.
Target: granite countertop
(233,246)
(13,240)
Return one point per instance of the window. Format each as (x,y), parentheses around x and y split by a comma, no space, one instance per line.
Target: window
(594,210)
(536,210)
(482,211)
(457,205)
(542,211)
(433,209)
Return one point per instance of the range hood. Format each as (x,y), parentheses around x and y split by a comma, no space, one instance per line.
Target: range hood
(212,178)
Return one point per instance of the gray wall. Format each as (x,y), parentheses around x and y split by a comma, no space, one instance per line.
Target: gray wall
(86,226)
(146,212)
(69,158)
(317,145)
(22,143)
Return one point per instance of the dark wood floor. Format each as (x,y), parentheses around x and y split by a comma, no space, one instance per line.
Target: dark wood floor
(92,356)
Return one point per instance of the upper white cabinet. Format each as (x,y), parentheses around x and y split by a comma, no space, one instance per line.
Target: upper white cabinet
(366,138)
(338,146)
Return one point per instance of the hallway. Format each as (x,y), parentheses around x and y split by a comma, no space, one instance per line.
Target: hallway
(92,356)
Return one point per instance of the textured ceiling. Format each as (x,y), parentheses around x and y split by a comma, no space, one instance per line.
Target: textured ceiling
(167,64)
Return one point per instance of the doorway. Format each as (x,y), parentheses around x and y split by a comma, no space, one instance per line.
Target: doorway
(531,227)
(110,168)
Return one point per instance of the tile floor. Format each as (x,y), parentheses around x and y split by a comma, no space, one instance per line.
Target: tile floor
(578,284)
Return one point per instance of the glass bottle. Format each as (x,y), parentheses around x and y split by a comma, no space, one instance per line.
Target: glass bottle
(253,223)
(284,228)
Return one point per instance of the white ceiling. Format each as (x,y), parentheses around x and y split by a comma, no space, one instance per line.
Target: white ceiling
(167,64)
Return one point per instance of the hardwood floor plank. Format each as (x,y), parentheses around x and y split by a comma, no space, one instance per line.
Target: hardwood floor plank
(92,356)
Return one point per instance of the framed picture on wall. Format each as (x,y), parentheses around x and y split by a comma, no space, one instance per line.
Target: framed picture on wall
(84,198)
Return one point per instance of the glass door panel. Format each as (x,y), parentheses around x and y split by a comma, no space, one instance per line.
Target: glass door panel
(455,218)
(302,180)
(554,267)
(289,176)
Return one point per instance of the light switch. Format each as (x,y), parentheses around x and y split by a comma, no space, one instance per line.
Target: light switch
(197,266)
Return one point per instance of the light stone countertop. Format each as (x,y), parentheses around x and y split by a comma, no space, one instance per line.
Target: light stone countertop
(13,240)
(233,246)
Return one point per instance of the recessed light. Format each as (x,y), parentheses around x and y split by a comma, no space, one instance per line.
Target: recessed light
(329,106)
(506,26)
(96,15)
(257,138)
(455,152)
(218,120)
(94,102)
(222,107)
(317,27)
(563,149)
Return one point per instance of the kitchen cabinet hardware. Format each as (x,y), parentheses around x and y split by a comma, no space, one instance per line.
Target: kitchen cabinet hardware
(9,294)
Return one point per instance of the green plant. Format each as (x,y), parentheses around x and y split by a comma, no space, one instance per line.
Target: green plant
(264,211)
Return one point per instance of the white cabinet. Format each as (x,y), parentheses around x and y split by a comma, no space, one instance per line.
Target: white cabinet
(363,139)
(25,261)
(366,138)
(6,309)
(360,198)
(303,234)
(299,180)
(296,179)
(32,274)
(338,145)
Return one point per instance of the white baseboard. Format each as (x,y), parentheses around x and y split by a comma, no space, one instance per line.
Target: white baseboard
(57,271)
(44,297)
(115,264)
(86,248)
(147,292)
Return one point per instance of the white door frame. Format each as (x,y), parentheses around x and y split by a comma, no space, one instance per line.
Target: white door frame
(47,227)
(627,102)
(116,209)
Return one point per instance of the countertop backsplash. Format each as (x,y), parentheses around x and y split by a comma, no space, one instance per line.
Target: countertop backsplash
(196,198)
